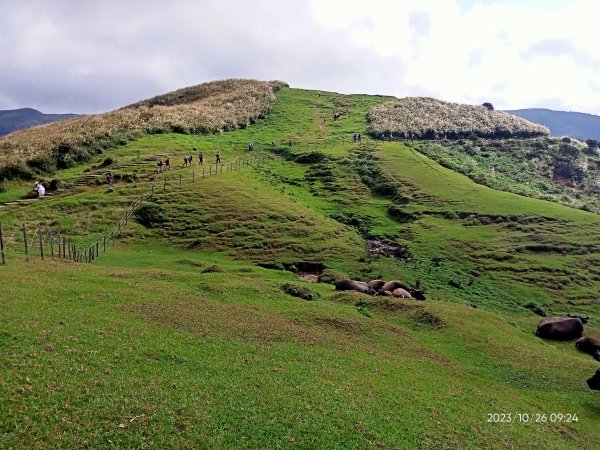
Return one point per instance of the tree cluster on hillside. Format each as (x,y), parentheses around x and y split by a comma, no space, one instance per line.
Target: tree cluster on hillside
(205,108)
(428,118)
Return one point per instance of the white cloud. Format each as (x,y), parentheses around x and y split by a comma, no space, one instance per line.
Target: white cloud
(86,56)
(538,52)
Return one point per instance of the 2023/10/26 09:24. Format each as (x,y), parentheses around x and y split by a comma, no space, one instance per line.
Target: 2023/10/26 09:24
(531,418)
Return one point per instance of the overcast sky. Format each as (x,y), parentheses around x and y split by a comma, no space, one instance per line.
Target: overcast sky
(86,56)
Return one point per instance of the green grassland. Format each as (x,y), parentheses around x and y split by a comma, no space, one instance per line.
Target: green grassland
(176,337)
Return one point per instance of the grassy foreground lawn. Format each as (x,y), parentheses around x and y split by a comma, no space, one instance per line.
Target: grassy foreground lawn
(121,354)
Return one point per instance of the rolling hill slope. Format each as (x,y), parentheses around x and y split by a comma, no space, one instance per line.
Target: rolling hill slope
(18,119)
(562,123)
(185,334)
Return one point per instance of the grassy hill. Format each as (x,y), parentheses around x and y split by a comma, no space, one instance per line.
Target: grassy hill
(427,118)
(563,123)
(17,119)
(180,337)
(205,108)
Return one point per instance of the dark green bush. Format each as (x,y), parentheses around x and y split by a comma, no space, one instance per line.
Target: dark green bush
(150,215)
(299,291)
(536,308)
(311,157)
(215,268)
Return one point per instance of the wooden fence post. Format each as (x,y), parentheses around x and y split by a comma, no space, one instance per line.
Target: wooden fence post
(210,170)
(179,180)
(152,190)
(97,249)
(40,239)
(51,243)
(25,240)
(165,185)
(64,245)
(70,252)
(193,176)
(104,244)
(2,246)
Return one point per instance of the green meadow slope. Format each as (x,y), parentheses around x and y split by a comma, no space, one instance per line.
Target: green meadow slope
(184,335)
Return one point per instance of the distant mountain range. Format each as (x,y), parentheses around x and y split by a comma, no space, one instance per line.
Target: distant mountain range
(563,123)
(17,119)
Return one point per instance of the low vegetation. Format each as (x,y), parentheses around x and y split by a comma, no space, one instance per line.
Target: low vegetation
(428,118)
(560,170)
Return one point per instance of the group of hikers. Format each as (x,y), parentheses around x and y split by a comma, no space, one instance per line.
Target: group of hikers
(356,137)
(188,160)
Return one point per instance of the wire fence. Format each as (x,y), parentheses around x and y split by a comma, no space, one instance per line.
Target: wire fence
(46,242)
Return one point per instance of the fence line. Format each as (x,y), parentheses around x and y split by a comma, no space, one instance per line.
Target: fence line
(86,253)
(48,240)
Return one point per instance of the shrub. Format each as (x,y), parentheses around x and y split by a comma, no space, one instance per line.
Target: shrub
(535,308)
(488,106)
(299,291)
(107,162)
(150,215)
(311,157)
(215,268)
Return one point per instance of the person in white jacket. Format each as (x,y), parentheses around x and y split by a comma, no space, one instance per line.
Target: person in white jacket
(40,189)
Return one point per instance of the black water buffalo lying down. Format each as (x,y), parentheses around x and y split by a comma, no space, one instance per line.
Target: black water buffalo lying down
(352,285)
(561,328)
(589,345)
(395,284)
(376,284)
(594,382)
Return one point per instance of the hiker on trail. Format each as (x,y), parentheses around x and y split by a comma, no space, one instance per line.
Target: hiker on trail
(218,158)
(290,144)
(190,160)
(109,178)
(185,161)
(273,144)
(354,137)
(201,158)
(358,137)
(160,166)
(40,189)
(250,147)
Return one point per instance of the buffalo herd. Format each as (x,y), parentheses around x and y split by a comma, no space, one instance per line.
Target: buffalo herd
(555,328)
(571,327)
(393,288)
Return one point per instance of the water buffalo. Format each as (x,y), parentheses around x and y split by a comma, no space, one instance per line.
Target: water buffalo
(589,345)
(594,382)
(402,293)
(395,284)
(560,328)
(352,285)
(376,284)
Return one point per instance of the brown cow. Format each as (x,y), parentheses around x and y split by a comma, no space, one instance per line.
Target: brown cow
(376,285)
(402,293)
(594,382)
(589,345)
(395,284)
(352,285)
(560,328)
